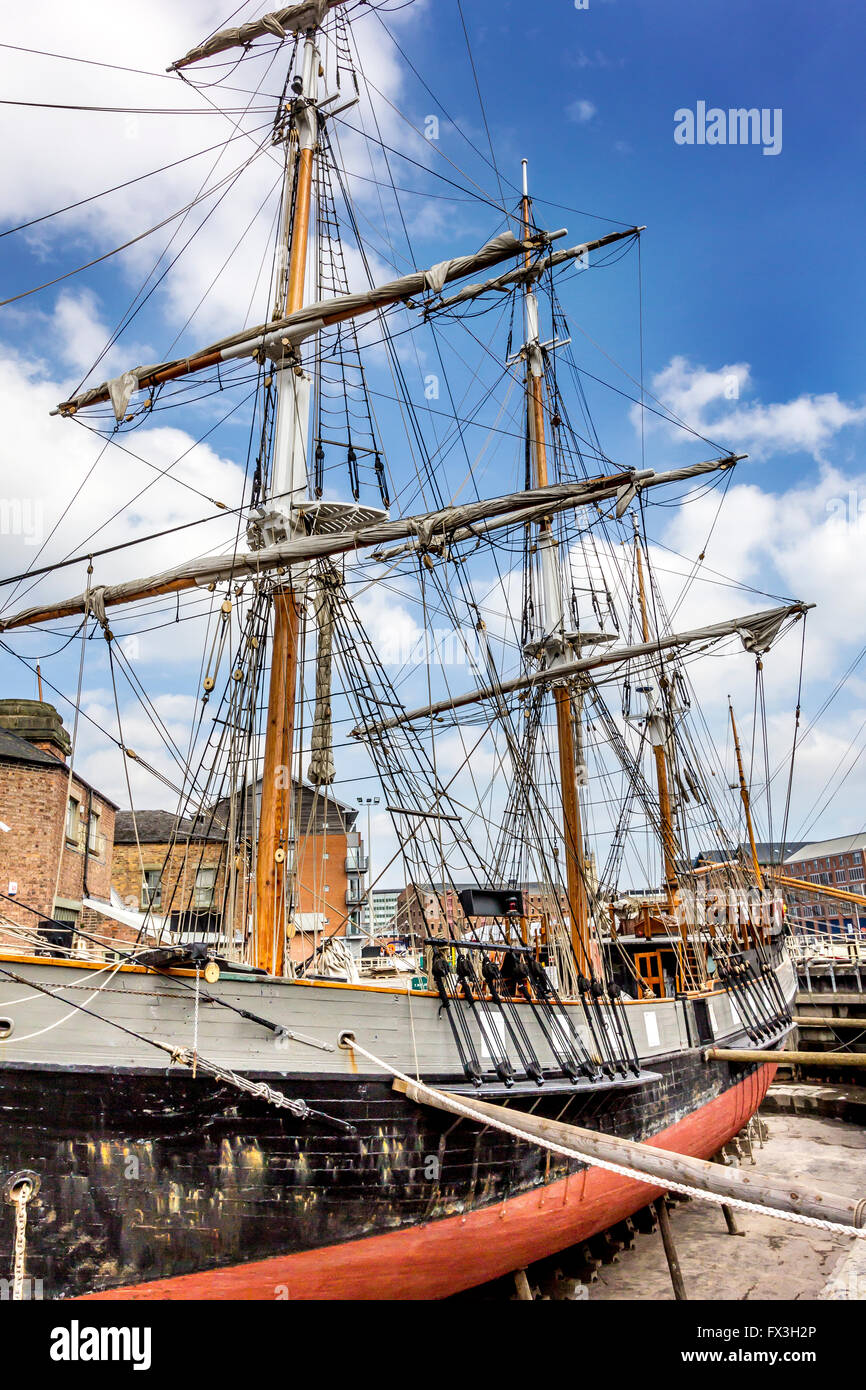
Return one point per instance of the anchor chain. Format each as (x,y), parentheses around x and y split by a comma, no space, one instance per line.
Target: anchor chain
(19,1196)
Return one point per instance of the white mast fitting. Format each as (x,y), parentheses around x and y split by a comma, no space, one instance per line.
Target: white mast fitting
(289,473)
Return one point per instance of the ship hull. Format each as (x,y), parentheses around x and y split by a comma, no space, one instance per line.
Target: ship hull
(152,1187)
(434,1259)
(157,1182)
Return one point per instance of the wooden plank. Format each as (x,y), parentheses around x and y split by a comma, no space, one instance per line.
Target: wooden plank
(660,1165)
(806,1059)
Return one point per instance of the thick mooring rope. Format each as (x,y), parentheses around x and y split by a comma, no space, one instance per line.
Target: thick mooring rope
(623,1170)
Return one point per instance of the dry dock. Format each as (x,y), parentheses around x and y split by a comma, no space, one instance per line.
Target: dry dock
(769,1259)
(772,1259)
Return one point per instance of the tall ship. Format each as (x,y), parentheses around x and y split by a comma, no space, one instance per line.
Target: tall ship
(210,1111)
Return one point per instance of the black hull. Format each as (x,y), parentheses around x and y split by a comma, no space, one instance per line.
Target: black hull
(149,1176)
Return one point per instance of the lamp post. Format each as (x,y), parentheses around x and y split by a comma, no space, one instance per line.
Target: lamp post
(369,801)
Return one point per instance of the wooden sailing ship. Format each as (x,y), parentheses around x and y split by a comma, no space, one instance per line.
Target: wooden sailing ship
(197,1118)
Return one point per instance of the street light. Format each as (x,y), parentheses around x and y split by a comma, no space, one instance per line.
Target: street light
(369,801)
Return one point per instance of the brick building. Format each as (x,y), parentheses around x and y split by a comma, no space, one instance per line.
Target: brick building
(49,823)
(838,863)
(184,872)
(433,909)
(178,871)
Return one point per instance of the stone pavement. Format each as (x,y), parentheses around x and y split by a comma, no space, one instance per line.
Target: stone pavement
(773,1259)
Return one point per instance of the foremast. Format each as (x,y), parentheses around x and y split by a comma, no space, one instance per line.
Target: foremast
(288,486)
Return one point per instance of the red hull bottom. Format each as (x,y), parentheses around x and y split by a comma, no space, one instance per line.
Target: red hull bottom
(458,1252)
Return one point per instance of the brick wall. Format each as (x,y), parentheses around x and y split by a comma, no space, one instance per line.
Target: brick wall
(178,866)
(33,801)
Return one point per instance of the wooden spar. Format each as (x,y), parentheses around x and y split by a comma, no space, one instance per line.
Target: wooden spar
(857,1025)
(746,800)
(448,524)
(532,271)
(806,1059)
(661,762)
(274,876)
(661,1166)
(820,890)
(272,861)
(574,857)
(292,19)
(288,331)
(443,524)
(575,864)
(611,657)
(677,1282)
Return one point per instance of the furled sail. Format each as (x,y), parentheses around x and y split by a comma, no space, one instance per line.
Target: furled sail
(280,24)
(526,274)
(284,333)
(756,631)
(429,531)
(322,770)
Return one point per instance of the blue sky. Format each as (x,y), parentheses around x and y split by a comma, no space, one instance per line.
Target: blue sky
(750,273)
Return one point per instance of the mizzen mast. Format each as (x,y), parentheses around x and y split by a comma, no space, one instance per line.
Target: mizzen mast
(658,730)
(746,799)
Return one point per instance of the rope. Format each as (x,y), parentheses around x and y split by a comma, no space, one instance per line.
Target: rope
(195,1021)
(621,1169)
(260,1089)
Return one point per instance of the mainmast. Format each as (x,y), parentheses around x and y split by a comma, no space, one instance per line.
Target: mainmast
(553,628)
(288,487)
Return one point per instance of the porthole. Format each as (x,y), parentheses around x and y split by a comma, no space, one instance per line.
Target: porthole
(6,1027)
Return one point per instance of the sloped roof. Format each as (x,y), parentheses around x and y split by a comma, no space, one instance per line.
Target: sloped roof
(821,849)
(769,852)
(314,813)
(160,827)
(19,750)
(316,809)
(14,749)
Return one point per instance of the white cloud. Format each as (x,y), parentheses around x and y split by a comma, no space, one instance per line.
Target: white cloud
(581,110)
(46,463)
(53,158)
(711,402)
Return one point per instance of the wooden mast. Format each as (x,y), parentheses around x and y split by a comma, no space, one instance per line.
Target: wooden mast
(746,800)
(575,864)
(661,760)
(273,862)
(747,807)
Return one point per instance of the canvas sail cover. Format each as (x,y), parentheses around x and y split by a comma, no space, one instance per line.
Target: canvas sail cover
(295,327)
(280,24)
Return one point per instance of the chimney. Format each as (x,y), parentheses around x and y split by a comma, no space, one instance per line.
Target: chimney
(38,723)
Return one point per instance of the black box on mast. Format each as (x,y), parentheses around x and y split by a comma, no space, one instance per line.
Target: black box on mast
(491,902)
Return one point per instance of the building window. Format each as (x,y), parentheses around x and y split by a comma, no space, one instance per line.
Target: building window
(72,821)
(151,888)
(94,839)
(205,883)
(857,856)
